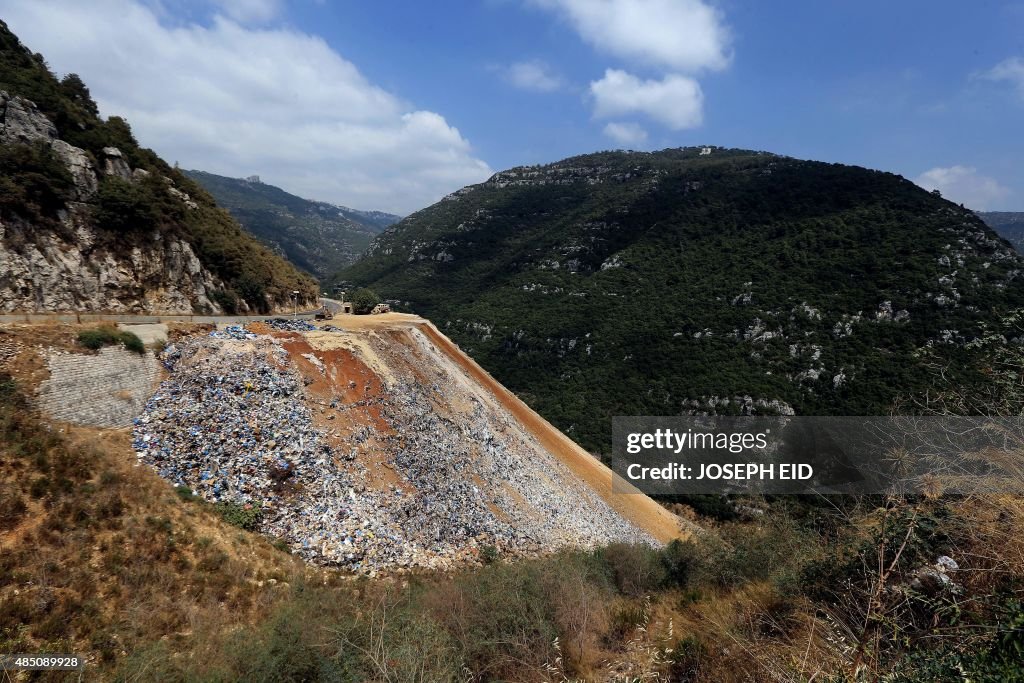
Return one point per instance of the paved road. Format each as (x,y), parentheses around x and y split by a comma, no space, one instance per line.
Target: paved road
(140,319)
(333,305)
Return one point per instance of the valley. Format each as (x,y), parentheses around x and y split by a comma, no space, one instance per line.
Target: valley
(247,436)
(1009,225)
(318,237)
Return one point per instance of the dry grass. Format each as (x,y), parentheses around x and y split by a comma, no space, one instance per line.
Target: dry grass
(107,560)
(103,556)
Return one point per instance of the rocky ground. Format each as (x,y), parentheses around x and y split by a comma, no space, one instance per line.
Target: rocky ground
(363,448)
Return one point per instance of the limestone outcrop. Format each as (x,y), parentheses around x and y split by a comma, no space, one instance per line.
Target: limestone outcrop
(75,268)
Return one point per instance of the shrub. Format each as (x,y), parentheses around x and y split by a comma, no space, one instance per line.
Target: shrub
(488,554)
(109,336)
(1000,657)
(39,487)
(282,650)
(245,516)
(185,493)
(12,508)
(501,617)
(679,559)
(624,620)
(212,560)
(132,342)
(637,569)
(686,659)
(124,206)
(34,183)
(716,507)
(226,299)
(254,290)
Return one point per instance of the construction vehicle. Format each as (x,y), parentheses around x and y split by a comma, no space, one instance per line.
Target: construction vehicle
(324,313)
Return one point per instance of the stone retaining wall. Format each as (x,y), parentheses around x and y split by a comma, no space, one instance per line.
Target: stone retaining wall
(106,389)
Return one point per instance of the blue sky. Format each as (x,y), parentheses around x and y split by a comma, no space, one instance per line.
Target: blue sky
(390,105)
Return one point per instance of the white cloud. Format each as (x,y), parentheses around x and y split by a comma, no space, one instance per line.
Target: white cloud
(250,11)
(630,134)
(964,185)
(676,101)
(532,75)
(237,101)
(1010,70)
(682,35)
(678,37)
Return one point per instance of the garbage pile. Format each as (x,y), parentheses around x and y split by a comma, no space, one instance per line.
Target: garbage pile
(234,423)
(290,325)
(465,470)
(233,332)
(225,426)
(229,426)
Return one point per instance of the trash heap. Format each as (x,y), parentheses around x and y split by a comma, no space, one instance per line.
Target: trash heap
(291,325)
(233,332)
(233,423)
(228,424)
(466,468)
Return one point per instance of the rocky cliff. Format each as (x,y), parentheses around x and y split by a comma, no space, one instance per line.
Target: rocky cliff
(90,221)
(75,268)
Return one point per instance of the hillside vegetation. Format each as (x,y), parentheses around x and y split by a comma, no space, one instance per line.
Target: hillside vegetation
(137,194)
(318,237)
(625,283)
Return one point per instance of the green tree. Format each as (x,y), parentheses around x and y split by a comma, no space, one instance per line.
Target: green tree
(33,182)
(364,300)
(76,90)
(254,290)
(125,206)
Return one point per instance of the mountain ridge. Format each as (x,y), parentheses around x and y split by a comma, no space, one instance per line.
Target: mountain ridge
(679,281)
(319,237)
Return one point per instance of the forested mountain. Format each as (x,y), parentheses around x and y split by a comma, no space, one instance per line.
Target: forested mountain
(319,237)
(1009,224)
(625,283)
(92,221)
